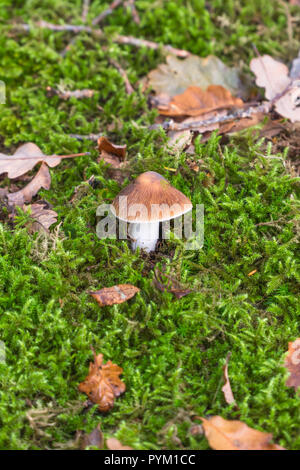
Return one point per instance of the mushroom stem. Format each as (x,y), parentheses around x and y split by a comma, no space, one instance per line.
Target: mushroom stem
(144,235)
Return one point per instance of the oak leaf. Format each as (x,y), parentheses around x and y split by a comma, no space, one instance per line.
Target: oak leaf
(41,180)
(279,87)
(223,434)
(103,384)
(26,157)
(292,363)
(194,101)
(115,294)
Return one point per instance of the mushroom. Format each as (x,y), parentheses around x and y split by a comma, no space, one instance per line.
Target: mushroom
(146,202)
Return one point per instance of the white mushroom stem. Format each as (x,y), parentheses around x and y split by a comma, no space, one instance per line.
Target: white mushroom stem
(144,235)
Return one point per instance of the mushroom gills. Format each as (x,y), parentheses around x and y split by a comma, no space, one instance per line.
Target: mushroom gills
(144,235)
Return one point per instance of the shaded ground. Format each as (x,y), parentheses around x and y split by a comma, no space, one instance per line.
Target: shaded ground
(172,351)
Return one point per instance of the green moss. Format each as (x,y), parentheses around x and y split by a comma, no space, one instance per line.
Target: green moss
(172,351)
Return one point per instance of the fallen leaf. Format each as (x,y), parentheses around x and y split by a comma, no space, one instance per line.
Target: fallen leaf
(41,180)
(42,218)
(226,389)
(26,157)
(114,444)
(177,75)
(292,363)
(285,91)
(103,384)
(223,434)
(115,294)
(94,438)
(114,156)
(194,101)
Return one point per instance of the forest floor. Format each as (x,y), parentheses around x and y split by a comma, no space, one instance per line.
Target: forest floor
(244,280)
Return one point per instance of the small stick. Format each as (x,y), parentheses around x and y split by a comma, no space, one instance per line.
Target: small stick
(128,86)
(130,40)
(85,10)
(94,137)
(239,114)
(107,12)
(134,12)
(65,95)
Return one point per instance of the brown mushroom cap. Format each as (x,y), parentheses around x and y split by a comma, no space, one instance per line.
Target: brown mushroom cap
(161,201)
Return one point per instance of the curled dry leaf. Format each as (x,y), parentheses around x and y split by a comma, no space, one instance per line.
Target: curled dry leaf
(292,363)
(41,180)
(194,101)
(115,294)
(114,444)
(284,91)
(178,140)
(103,384)
(176,75)
(26,157)
(113,155)
(223,434)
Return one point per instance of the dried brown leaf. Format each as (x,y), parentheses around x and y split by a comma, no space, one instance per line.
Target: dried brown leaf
(115,294)
(110,148)
(292,363)
(41,180)
(103,384)
(114,444)
(26,157)
(172,285)
(273,76)
(223,434)
(194,101)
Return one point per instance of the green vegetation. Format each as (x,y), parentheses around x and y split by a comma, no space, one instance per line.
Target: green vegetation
(172,351)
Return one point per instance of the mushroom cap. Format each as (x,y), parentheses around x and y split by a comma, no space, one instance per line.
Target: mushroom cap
(150,198)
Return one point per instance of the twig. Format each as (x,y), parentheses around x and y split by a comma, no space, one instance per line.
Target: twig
(239,114)
(65,95)
(94,137)
(107,12)
(289,22)
(128,87)
(130,40)
(85,10)
(134,12)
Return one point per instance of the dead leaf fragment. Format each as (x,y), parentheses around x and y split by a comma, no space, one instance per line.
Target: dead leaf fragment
(273,76)
(177,75)
(94,438)
(194,101)
(292,363)
(114,444)
(115,294)
(26,157)
(223,434)
(178,140)
(67,94)
(103,384)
